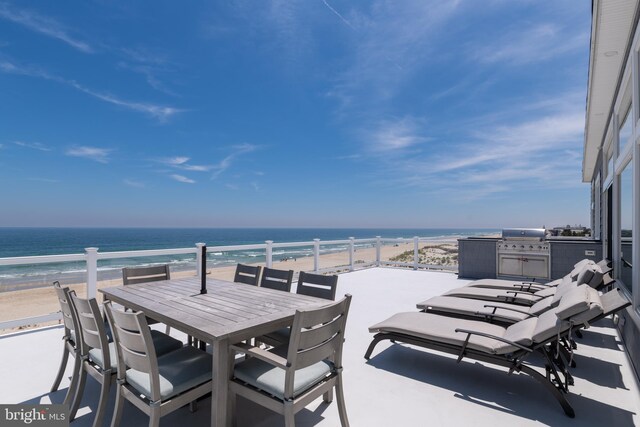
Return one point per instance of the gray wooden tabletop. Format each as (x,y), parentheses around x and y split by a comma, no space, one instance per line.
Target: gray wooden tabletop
(232,311)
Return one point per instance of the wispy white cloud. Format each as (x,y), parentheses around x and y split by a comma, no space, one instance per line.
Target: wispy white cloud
(182,178)
(33,145)
(226,163)
(176,161)
(133,183)
(43,25)
(536,150)
(181,162)
(511,142)
(160,112)
(100,155)
(523,46)
(397,134)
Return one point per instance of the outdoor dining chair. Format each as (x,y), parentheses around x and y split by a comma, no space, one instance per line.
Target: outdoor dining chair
(99,355)
(157,385)
(279,280)
(247,274)
(315,285)
(69,342)
(135,275)
(288,378)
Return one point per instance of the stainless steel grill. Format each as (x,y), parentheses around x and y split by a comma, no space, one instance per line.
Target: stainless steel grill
(523,252)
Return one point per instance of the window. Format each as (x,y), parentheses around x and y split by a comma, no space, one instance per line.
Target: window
(625,129)
(609,163)
(626,225)
(597,216)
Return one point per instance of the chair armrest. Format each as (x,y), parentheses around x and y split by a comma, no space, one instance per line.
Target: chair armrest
(529,287)
(515,294)
(495,307)
(259,353)
(482,334)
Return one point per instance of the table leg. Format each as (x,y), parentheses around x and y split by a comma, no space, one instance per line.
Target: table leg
(220,402)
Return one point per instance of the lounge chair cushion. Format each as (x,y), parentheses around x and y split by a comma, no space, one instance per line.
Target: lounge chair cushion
(468,306)
(270,379)
(541,306)
(162,342)
(180,370)
(591,275)
(521,332)
(442,329)
(548,326)
(561,290)
(493,295)
(595,309)
(573,302)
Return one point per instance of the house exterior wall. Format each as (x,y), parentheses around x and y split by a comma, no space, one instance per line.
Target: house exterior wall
(613,208)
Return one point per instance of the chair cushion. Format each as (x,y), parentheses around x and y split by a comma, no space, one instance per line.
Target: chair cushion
(162,342)
(270,379)
(180,370)
(590,275)
(541,306)
(468,306)
(442,329)
(573,302)
(595,309)
(578,267)
(521,332)
(548,326)
(561,290)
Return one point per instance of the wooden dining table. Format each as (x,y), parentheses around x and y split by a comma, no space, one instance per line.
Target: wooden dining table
(227,314)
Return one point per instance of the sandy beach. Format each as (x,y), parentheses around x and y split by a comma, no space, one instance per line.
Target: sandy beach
(40,301)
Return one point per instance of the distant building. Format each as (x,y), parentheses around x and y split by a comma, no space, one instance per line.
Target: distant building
(570,230)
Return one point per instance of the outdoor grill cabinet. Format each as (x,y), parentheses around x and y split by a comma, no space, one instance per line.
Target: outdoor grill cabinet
(479,258)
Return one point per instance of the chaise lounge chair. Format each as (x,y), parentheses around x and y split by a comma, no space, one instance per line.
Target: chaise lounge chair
(507,346)
(590,274)
(533,286)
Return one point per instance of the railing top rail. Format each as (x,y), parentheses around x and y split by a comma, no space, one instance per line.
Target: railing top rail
(292,244)
(235,247)
(147,252)
(42,259)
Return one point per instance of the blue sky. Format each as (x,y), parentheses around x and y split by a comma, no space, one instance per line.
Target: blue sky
(327,113)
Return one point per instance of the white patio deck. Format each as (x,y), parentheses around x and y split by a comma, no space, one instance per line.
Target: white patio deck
(401,385)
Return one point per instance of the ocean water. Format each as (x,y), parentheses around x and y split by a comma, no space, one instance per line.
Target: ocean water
(15,242)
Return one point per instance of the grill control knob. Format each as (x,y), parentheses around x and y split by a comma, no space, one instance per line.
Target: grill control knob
(531,246)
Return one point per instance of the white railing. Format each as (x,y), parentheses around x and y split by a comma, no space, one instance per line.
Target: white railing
(91,256)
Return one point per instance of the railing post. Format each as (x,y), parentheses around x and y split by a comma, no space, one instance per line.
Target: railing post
(378,246)
(92,271)
(351,252)
(199,258)
(269,253)
(416,252)
(316,255)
